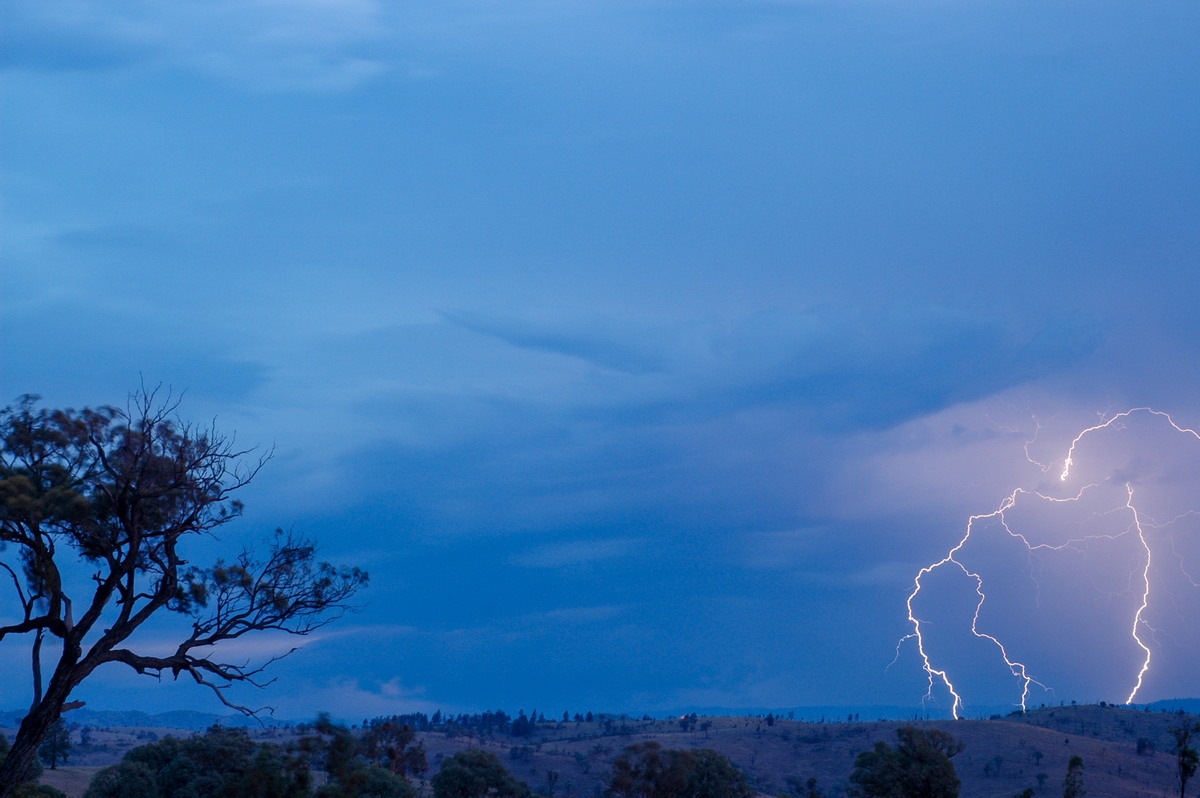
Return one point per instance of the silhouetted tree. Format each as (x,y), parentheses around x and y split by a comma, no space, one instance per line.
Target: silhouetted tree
(95,506)
(918,767)
(221,762)
(1186,758)
(57,744)
(711,775)
(389,742)
(1073,783)
(522,726)
(647,770)
(350,773)
(474,773)
(124,780)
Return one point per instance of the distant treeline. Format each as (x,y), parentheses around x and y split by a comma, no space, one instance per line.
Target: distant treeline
(492,722)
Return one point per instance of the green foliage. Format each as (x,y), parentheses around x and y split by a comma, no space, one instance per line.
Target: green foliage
(222,763)
(368,781)
(475,774)
(226,763)
(1073,783)
(56,745)
(347,762)
(712,775)
(918,767)
(125,779)
(1186,758)
(389,742)
(647,770)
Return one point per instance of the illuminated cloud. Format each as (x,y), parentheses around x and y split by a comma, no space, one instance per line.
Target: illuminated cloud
(1083,579)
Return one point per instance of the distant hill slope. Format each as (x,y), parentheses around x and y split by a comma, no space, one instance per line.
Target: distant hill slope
(182,719)
(1002,757)
(1112,724)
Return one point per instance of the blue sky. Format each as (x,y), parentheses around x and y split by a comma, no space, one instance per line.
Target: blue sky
(642,351)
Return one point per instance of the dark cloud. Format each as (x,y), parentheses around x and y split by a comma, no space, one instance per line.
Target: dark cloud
(97,356)
(853,368)
(601,349)
(738,292)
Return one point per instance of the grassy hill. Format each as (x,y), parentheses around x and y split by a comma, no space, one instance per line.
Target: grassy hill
(1001,758)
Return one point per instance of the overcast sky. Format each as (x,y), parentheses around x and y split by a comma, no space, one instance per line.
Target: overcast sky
(643,351)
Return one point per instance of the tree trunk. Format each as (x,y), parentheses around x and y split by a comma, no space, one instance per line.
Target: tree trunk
(30,736)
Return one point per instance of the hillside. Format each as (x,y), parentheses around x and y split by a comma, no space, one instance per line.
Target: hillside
(1002,757)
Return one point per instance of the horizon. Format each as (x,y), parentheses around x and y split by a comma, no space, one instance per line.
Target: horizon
(809,714)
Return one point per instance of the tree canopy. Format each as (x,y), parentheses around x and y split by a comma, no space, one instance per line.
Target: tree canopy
(475,773)
(647,770)
(918,767)
(222,762)
(1186,758)
(1073,783)
(96,509)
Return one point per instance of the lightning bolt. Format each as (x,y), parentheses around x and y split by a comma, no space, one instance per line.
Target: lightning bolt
(1141,577)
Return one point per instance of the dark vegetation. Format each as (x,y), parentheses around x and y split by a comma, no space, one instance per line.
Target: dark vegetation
(1109,752)
(918,766)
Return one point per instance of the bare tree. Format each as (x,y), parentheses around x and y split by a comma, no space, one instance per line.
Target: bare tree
(95,507)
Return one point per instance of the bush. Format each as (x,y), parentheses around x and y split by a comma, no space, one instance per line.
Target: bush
(474,774)
(221,762)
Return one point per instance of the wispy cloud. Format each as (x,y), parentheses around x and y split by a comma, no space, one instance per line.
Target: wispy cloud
(577,552)
(854,367)
(533,626)
(269,44)
(351,699)
(602,344)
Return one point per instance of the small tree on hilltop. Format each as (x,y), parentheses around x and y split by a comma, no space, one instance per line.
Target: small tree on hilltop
(95,509)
